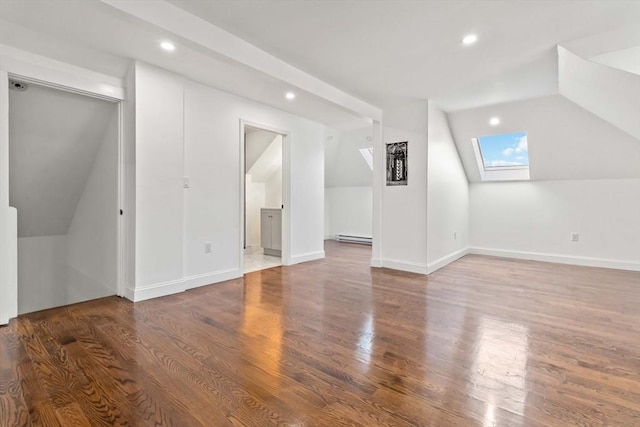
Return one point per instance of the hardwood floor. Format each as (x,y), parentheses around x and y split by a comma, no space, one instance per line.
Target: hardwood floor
(482,342)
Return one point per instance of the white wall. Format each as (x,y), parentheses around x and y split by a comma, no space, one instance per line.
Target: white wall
(273,190)
(404,208)
(344,165)
(92,235)
(212,161)
(327,211)
(348,183)
(254,201)
(128,195)
(609,93)
(534,220)
(447,195)
(8,289)
(42,273)
(159,175)
(349,210)
(187,129)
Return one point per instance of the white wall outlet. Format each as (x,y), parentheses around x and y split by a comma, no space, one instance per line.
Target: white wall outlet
(207,247)
(185,183)
(455,235)
(575,237)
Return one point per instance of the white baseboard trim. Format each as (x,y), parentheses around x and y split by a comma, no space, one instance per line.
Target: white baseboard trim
(411,267)
(154,291)
(211,278)
(175,286)
(561,259)
(376,262)
(446,260)
(311,256)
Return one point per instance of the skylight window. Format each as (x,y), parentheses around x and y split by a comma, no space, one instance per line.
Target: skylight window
(508,150)
(502,157)
(367,154)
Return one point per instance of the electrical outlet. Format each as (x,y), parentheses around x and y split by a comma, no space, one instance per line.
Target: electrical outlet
(207,247)
(185,183)
(455,235)
(575,237)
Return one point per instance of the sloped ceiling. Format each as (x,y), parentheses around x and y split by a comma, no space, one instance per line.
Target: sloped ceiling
(344,166)
(607,92)
(627,59)
(565,141)
(535,79)
(269,161)
(256,142)
(388,53)
(383,51)
(96,36)
(54,138)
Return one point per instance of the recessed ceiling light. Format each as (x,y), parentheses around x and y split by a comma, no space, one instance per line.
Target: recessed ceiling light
(290,95)
(469,39)
(495,121)
(168,46)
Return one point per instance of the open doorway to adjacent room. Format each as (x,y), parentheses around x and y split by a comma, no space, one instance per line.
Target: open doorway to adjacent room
(63,182)
(263,199)
(349,185)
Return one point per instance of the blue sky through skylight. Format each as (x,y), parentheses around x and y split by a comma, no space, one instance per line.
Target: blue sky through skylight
(504,150)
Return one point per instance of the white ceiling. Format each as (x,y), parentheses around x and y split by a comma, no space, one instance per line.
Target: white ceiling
(54,138)
(623,59)
(385,50)
(394,54)
(98,37)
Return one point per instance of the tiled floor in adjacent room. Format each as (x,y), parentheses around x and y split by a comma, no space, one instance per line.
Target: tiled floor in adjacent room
(255,260)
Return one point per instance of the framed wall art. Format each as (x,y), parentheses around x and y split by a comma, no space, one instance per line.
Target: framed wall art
(397,163)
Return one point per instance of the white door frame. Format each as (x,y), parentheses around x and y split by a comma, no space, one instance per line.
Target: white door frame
(87,85)
(286,189)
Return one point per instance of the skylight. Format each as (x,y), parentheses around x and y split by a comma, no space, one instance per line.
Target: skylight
(367,154)
(502,157)
(504,151)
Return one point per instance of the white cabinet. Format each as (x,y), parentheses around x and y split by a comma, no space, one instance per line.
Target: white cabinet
(271,231)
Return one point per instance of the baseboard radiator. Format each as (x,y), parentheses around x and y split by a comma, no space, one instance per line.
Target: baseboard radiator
(354,239)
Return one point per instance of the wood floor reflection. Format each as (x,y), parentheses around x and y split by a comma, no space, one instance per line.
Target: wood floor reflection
(482,342)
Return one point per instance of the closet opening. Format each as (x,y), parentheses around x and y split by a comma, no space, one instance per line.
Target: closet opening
(349,185)
(64,183)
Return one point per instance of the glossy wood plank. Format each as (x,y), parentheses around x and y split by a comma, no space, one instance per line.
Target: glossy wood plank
(482,342)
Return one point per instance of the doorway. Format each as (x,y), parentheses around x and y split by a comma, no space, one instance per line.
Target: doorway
(349,185)
(263,198)
(64,182)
